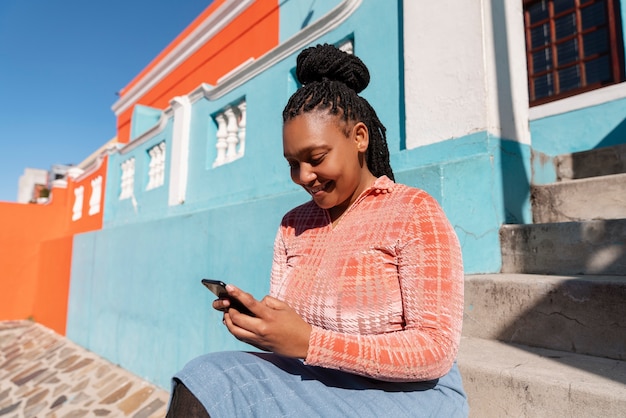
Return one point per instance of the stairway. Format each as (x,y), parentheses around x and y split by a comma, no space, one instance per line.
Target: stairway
(547,336)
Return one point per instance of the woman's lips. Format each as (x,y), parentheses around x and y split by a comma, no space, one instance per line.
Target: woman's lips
(318,189)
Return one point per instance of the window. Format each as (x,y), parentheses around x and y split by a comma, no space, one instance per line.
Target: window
(231,134)
(156,168)
(127,182)
(572,46)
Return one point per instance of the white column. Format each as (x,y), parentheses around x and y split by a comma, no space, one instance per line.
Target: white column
(77,209)
(464,69)
(221,144)
(151,168)
(179,167)
(95,198)
(160,175)
(232,130)
(127,181)
(242,129)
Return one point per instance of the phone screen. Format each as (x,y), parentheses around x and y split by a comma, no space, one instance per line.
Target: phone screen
(219,289)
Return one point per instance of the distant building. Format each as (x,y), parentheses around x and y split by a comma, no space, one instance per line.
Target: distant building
(31,184)
(58,172)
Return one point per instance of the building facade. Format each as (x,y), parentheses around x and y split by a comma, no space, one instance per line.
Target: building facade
(479,100)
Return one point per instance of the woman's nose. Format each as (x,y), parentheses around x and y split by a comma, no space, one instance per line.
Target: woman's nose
(306,174)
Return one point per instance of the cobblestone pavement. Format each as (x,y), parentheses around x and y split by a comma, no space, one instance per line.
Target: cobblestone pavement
(44,375)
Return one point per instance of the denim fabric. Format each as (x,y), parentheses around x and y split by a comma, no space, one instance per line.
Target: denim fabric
(239,384)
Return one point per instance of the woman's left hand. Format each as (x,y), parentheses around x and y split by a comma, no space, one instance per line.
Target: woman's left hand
(277,327)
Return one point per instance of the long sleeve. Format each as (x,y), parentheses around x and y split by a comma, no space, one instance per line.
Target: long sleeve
(384,293)
(431,282)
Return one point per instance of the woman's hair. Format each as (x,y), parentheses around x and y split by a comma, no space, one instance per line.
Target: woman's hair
(331,79)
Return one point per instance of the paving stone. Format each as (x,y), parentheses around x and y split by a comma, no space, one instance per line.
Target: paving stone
(132,402)
(43,374)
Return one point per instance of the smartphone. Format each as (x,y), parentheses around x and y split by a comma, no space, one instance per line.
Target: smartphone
(219,289)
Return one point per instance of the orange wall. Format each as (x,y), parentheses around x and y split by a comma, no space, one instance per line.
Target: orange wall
(23,228)
(247,36)
(36,253)
(53,283)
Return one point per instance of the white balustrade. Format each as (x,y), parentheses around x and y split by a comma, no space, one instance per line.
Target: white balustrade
(156,170)
(242,128)
(231,134)
(221,140)
(77,208)
(96,196)
(128,179)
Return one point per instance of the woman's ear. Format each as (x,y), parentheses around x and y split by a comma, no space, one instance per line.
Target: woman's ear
(361,136)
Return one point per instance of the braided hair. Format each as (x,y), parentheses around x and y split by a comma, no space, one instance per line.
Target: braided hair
(331,79)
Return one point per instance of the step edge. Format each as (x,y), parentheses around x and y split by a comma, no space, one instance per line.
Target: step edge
(532,363)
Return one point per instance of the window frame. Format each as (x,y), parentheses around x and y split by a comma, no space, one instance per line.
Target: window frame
(615,49)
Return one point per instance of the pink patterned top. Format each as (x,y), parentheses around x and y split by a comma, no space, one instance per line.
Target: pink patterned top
(382,289)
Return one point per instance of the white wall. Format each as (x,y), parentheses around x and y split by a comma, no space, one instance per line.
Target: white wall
(459,78)
(27,182)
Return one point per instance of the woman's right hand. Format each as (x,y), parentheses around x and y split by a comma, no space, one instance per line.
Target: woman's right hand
(276,327)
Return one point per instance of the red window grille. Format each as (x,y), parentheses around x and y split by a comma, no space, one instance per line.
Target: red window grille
(572,46)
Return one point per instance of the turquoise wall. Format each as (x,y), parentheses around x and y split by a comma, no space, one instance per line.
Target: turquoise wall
(301,14)
(481,181)
(579,130)
(136,296)
(143,118)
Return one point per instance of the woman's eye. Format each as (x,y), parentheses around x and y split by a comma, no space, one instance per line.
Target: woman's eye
(292,164)
(317,160)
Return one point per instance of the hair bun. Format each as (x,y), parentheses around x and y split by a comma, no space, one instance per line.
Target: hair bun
(326,61)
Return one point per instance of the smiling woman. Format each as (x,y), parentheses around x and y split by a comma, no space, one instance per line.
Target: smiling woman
(325,161)
(366,294)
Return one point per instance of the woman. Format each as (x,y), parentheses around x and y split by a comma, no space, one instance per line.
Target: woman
(366,293)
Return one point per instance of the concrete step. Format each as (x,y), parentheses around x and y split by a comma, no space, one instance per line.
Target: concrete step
(577,200)
(597,162)
(571,248)
(506,380)
(580,314)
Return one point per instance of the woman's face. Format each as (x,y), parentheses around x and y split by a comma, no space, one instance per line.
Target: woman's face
(329,165)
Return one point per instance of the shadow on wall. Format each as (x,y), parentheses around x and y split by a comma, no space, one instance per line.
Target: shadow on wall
(513,159)
(615,137)
(607,157)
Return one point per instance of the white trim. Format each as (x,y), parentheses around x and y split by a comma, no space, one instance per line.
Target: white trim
(236,78)
(215,23)
(77,206)
(96,162)
(580,101)
(179,162)
(243,73)
(150,133)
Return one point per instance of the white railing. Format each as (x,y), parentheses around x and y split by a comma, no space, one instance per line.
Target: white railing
(156,170)
(77,208)
(96,196)
(231,134)
(127,182)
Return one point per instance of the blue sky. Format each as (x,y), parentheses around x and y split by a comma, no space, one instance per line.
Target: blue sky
(61,63)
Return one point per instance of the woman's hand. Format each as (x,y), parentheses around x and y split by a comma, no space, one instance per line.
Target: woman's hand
(277,327)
